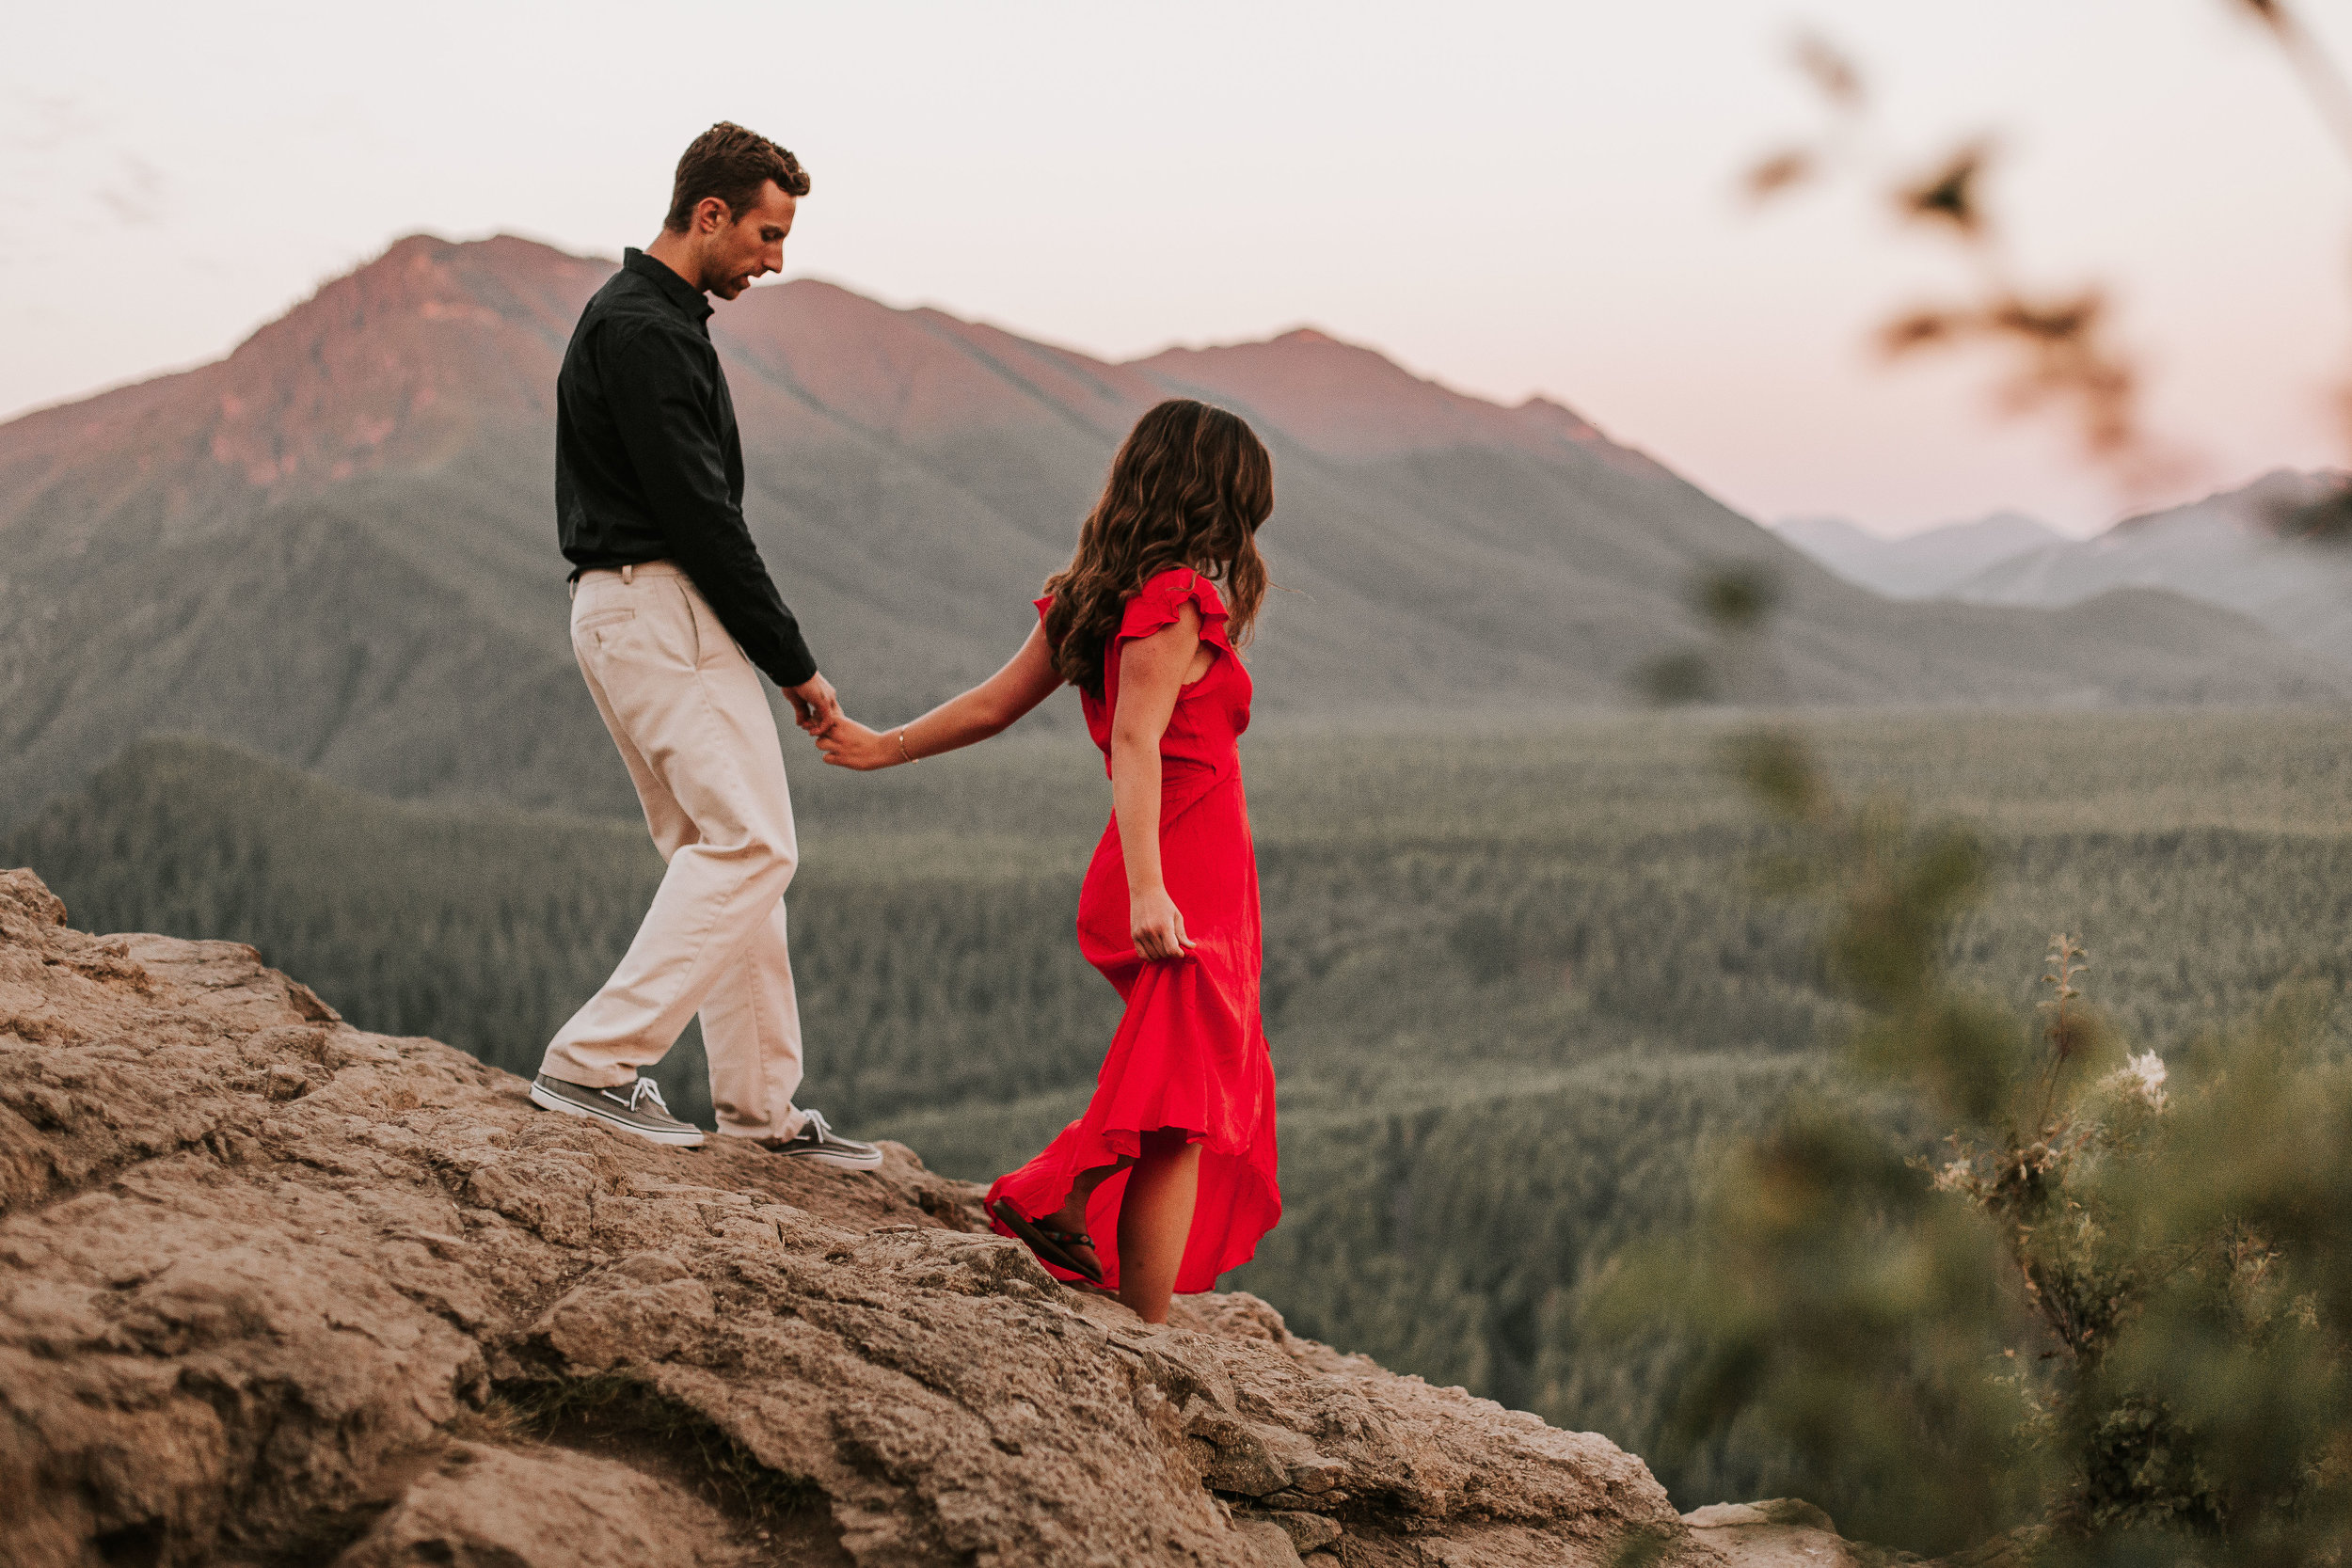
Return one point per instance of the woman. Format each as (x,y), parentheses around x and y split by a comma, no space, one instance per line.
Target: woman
(1174,1156)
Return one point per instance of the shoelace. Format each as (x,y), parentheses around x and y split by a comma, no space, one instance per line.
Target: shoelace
(815,1121)
(643,1089)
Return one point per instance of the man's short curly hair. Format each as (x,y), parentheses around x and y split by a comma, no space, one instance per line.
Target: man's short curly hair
(731,164)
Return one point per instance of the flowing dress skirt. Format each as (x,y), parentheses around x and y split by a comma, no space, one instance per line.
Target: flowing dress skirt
(1191,1052)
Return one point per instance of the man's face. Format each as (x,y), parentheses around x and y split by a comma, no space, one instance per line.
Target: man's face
(750,247)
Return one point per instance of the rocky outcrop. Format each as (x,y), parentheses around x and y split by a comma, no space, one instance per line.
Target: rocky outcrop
(275,1291)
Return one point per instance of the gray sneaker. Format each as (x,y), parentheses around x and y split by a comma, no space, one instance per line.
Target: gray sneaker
(820,1144)
(631,1107)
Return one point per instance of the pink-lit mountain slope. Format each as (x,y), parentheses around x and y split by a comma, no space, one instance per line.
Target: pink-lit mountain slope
(336,546)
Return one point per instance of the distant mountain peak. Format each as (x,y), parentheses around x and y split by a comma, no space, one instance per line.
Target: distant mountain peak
(1543,413)
(403,360)
(2223,549)
(1918,566)
(2263,506)
(1344,401)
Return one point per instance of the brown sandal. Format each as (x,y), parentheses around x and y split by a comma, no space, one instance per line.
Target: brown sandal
(1051,1245)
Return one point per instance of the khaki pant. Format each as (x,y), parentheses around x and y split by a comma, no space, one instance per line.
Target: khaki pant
(693,723)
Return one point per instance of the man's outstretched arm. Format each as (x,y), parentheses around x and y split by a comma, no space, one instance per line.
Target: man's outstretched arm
(660,390)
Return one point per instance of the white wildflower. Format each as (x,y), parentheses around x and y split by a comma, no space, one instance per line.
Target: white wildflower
(1954,1177)
(2143,1076)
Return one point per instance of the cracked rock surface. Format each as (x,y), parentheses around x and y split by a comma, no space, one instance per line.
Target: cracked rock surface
(275,1290)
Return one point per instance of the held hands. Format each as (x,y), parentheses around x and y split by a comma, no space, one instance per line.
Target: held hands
(1156,925)
(815,704)
(848,743)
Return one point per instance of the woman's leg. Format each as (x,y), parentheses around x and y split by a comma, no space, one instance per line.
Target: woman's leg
(1071,1216)
(1155,1221)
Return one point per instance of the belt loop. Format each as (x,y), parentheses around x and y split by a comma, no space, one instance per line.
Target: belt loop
(628,573)
(571,589)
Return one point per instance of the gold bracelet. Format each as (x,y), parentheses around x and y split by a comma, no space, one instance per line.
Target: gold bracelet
(903,754)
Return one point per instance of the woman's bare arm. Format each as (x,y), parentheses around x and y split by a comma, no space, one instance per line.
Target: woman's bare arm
(989,708)
(1152,672)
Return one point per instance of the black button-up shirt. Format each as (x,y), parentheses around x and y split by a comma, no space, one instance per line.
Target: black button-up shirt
(649,463)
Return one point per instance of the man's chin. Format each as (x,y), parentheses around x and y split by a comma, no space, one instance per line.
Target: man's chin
(731,287)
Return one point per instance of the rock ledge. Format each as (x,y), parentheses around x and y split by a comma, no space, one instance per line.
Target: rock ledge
(275,1290)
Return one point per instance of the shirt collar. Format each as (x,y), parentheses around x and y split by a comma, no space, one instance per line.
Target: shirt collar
(674,289)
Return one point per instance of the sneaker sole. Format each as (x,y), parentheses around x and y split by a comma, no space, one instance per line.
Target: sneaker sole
(691,1138)
(839,1161)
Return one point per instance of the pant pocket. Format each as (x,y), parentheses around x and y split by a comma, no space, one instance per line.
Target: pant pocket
(691,603)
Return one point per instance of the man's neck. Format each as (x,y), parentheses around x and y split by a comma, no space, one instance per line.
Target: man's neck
(675,252)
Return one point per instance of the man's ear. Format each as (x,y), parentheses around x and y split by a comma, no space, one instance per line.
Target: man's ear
(711,215)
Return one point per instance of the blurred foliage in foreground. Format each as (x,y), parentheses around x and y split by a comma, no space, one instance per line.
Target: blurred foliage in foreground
(2109,1321)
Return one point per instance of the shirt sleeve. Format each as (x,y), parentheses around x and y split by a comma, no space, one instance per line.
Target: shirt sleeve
(661,393)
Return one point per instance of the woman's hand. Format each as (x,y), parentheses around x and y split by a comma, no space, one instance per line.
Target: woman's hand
(1156,925)
(848,743)
(1027,679)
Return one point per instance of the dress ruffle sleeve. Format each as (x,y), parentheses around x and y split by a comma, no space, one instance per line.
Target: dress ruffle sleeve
(1162,600)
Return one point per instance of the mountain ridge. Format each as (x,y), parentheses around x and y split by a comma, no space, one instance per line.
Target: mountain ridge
(1919,565)
(2227,549)
(335,545)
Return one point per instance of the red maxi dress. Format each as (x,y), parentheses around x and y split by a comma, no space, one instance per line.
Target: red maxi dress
(1191,1051)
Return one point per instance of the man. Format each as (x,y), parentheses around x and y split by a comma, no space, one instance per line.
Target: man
(672,617)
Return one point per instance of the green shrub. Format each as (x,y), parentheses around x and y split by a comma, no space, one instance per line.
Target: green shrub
(2110,1312)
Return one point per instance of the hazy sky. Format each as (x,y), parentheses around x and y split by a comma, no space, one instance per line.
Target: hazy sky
(1514,198)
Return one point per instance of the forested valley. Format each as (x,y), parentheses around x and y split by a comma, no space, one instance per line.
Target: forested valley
(1519,985)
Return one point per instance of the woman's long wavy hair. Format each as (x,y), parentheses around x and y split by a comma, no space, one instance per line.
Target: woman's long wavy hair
(1190,487)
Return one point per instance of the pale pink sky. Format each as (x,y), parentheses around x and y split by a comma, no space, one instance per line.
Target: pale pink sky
(1514,198)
